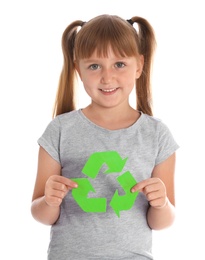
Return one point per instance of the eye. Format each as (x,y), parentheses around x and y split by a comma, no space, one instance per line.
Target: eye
(120,65)
(94,66)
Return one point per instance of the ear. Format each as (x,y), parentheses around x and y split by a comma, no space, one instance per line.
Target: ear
(140,65)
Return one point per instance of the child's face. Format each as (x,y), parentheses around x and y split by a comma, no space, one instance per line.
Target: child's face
(109,80)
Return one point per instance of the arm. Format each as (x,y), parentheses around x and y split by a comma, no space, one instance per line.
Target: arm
(50,189)
(159,191)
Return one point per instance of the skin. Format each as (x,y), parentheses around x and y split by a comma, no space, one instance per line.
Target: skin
(109,82)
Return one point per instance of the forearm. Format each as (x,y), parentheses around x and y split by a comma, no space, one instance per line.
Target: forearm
(160,218)
(44,213)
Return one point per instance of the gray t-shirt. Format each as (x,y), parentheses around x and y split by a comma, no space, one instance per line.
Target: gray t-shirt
(102,219)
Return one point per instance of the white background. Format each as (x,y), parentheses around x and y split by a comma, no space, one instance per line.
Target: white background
(30,64)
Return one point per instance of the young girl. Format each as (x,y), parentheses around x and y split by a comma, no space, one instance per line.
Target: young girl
(105,175)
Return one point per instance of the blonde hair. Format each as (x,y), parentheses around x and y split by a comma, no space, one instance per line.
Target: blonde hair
(97,35)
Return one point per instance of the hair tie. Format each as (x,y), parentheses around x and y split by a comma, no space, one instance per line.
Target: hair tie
(82,24)
(130,21)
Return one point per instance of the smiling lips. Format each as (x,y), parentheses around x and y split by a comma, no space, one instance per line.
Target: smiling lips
(108,91)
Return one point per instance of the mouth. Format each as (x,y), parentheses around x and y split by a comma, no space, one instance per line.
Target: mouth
(110,90)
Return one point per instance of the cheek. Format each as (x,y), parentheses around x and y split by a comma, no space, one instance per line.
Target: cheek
(130,78)
(131,82)
(84,78)
(90,80)
(87,83)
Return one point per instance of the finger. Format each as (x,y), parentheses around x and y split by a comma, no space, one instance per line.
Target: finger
(136,188)
(66,181)
(52,201)
(56,186)
(144,185)
(56,193)
(55,196)
(141,185)
(159,203)
(153,196)
(56,189)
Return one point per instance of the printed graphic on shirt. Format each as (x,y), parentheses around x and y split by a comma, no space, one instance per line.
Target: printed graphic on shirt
(91,169)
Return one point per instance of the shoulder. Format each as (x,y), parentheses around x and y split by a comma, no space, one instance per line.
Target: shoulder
(72,115)
(152,122)
(66,118)
(155,127)
(62,122)
(151,119)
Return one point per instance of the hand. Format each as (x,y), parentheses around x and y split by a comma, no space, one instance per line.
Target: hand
(56,189)
(154,190)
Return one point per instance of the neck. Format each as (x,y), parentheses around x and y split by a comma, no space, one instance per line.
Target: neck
(111,118)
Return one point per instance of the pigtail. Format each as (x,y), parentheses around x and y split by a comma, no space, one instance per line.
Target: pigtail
(147,45)
(65,96)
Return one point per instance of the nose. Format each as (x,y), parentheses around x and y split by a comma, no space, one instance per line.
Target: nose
(107,76)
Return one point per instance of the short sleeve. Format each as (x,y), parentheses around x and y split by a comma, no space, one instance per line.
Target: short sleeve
(50,139)
(166,144)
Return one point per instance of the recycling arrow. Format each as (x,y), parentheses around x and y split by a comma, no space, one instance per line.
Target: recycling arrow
(113,160)
(87,204)
(92,167)
(125,202)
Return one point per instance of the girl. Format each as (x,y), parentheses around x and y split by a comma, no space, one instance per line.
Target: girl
(105,175)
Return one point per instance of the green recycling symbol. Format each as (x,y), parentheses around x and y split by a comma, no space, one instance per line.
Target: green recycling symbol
(91,169)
